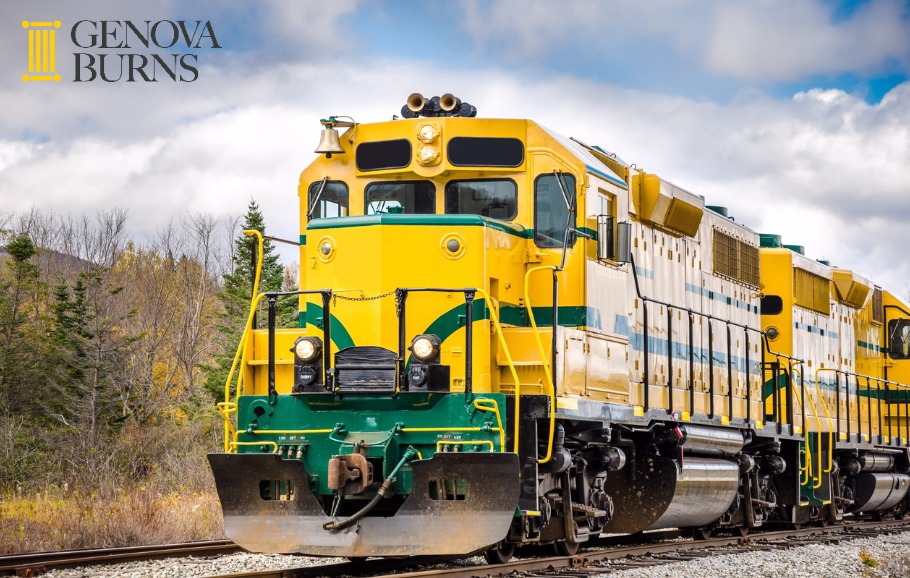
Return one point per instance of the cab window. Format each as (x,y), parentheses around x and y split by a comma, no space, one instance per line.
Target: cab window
(327,199)
(494,198)
(408,197)
(899,338)
(551,213)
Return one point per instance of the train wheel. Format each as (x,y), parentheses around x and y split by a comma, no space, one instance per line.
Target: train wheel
(564,548)
(499,553)
(701,533)
(741,531)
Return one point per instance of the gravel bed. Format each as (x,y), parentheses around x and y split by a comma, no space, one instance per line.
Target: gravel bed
(885,556)
(194,567)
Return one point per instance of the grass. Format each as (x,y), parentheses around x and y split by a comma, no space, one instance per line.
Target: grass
(54,520)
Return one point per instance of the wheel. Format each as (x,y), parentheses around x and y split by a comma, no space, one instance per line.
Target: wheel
(796,526)
(703,533)
(499,553)
(564,548)
(741,531)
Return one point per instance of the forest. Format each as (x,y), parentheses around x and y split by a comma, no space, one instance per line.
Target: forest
(113,353)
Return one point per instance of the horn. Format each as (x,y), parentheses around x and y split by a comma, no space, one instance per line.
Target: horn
(449,102)
(416,102)
(329,142)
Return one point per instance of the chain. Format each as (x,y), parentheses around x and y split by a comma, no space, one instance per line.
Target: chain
(336,296)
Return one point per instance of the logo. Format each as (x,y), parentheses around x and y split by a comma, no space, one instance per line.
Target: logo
(122,50)
(42,57)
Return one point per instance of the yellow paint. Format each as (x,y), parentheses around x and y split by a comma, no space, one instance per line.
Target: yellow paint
(567,403)
(686,416)
(638,411)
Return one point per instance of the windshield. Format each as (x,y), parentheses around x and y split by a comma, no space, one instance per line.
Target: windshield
(495,198)
(409,197)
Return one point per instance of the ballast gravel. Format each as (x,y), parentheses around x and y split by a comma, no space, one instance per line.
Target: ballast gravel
(882,556)
(886,556)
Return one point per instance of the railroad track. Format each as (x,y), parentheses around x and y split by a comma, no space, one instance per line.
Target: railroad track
(36,563)
(600,556)
(591,562)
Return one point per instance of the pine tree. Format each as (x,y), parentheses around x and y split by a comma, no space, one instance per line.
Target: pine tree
(21,346)
(237,292)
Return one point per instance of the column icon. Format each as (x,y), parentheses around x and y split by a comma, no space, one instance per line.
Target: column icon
(42,38)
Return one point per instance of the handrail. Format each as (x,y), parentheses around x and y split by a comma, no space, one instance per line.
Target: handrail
(543,357)
(494,317)
(728,323)
(828,416)
(262,443)
(495,409)
(241,347)
(818,438)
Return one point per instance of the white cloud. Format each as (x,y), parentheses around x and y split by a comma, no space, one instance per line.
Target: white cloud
(823,169)
(765,41)
(786,40)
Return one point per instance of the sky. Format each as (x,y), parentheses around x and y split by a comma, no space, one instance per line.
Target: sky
(794,114)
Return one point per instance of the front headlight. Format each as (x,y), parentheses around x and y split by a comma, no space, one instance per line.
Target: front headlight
(307,349)
(425,347)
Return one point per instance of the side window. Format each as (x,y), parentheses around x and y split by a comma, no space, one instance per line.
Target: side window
(408,197)
(899,338)
(551,214)
(606,224)
(327,199)
(497,199)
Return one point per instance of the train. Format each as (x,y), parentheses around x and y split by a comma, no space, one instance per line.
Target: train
(512,338)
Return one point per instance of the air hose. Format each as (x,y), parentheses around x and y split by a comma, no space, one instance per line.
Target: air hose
(380,494)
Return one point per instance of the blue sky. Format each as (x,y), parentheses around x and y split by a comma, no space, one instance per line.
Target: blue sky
(794,113)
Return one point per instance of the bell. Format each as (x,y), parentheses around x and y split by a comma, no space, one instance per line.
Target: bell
(329,143)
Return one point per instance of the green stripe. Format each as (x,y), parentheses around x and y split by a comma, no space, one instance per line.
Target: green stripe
(871,346)
(340,336)
(421,220)
(303,239)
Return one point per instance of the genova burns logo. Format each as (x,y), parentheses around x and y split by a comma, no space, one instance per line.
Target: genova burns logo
(122,50)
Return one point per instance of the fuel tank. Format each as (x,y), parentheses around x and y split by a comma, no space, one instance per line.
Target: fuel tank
(879,491)
(661,493)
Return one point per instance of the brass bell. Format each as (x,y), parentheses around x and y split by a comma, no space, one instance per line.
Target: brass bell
(329,142)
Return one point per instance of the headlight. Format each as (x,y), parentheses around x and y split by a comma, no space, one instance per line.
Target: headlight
(425,347)
(427,155)
(772,333)
(307,349)
(427,133)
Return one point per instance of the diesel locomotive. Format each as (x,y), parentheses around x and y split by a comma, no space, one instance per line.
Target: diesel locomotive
(508,337)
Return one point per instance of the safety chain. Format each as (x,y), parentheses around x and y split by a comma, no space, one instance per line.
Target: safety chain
(336,296)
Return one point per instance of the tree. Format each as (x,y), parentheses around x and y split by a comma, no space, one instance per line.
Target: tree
(237,292)
(21,325)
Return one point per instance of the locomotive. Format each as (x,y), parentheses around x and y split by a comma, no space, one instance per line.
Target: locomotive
(508,337)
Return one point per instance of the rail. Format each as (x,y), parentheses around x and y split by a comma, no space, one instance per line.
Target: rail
(551,379)
(691,315)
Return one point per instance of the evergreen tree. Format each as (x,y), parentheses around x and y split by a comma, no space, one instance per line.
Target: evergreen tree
(237,293)
(21,326)
(91,354)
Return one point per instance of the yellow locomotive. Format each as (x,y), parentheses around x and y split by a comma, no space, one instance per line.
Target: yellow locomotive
(509,337)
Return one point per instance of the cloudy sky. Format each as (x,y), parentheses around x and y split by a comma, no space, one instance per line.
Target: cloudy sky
(795,114)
